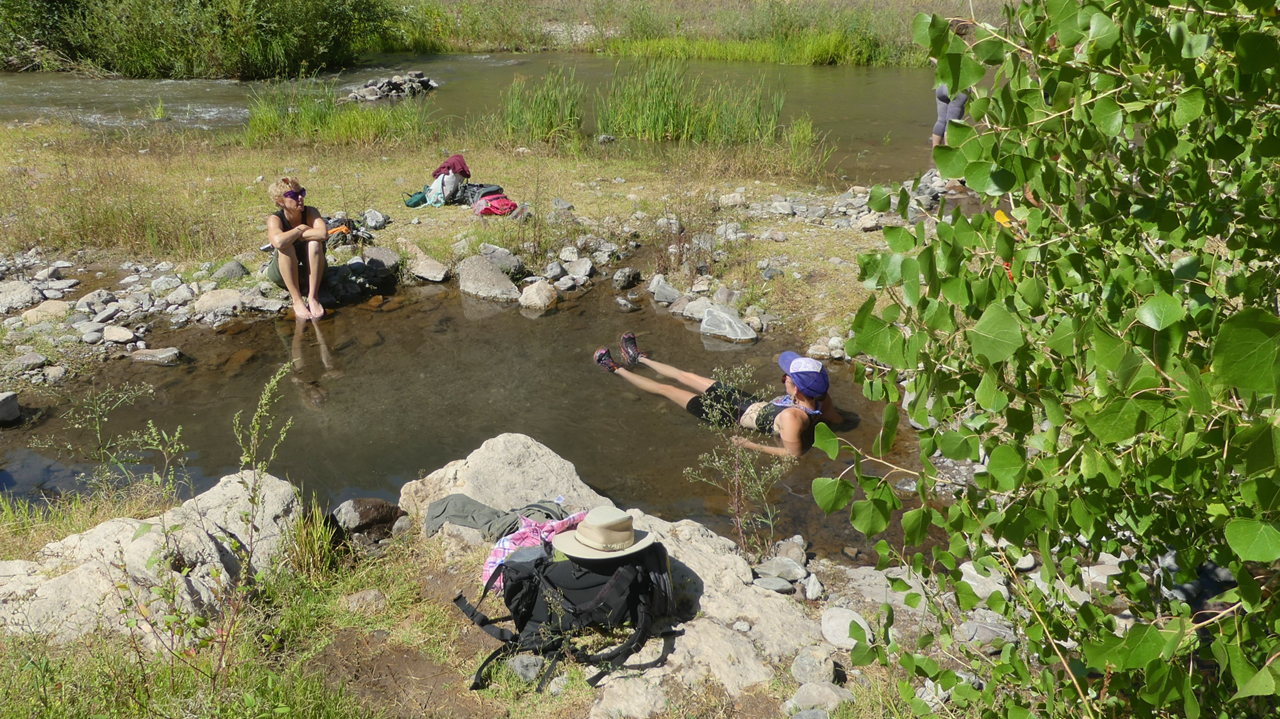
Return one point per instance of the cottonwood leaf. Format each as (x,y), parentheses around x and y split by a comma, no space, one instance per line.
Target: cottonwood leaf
(997,335)
(1189,106)
(1262,684)
(1257,52)
(954,445)
(1006,465)
(989,396)
(826,440)
(900,239)
(870,516)
(1253,540)
(832,494)
(1160,311)
(1108,116)
(950,162)
(915,525)
(1247,352)
(888,431)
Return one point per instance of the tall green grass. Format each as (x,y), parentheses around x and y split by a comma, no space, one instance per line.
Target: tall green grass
(314,112)
(436,26)
(812,47)
(247,39)
(813,32)
(661,101)
(548,111)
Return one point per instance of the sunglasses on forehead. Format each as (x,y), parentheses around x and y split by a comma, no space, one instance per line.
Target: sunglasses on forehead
(296,195)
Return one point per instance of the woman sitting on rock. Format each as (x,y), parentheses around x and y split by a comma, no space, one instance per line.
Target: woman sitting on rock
(298,233)
(791,417)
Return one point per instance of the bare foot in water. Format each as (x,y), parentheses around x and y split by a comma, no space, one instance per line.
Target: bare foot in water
(301,311)
(317,309)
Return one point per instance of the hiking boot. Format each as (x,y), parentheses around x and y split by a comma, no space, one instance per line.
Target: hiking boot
(605,360)
(631,354)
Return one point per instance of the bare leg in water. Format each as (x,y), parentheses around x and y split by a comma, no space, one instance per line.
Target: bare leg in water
(697,383)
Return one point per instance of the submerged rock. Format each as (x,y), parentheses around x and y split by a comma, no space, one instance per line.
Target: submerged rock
(626,278)
(10,411)
(481,278)
(722,322)
(167,356)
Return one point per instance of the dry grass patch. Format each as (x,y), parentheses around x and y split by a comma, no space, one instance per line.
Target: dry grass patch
(26,526)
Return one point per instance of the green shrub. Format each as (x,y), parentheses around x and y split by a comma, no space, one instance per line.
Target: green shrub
(220,38)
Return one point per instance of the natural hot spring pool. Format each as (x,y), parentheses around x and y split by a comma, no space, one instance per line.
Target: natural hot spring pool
(426,383)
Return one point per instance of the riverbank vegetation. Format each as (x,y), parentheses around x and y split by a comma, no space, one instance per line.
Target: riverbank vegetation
(277,38)
(1108,346)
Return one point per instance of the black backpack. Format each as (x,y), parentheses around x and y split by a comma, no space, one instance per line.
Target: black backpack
(551,601)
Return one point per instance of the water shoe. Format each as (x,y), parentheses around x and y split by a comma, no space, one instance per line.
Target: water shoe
(605,360)
(631,354)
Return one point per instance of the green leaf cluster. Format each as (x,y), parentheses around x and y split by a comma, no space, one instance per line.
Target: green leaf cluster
(1108,351)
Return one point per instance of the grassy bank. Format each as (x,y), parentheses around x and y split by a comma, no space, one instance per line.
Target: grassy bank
(301,651)
(278,38)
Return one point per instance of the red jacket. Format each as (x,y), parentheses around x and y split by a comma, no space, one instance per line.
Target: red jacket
(455,163)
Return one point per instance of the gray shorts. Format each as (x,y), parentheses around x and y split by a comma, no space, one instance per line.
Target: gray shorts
(949,108)
(304,267)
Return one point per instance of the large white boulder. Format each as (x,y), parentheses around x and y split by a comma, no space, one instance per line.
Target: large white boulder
(194,553)
(510,470)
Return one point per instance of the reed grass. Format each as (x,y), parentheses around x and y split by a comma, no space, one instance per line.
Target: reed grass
(313,112)
(661,101)
(549,111)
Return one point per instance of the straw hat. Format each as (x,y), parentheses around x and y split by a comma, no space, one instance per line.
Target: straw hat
(605,533)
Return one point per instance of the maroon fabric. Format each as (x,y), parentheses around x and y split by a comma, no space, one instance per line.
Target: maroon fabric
(494,205)
(455,163)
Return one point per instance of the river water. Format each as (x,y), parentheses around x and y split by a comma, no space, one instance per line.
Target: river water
(383,395)
(878,119)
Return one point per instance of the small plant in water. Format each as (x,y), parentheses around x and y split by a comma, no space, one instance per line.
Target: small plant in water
(746,477)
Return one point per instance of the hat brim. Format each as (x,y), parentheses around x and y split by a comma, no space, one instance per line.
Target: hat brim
(785,360)
(568,543)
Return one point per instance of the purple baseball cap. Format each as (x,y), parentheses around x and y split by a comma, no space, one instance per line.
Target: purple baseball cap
(807,374)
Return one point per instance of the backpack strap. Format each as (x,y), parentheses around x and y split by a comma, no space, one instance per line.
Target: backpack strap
(506,636)
(477,682)
(550,671)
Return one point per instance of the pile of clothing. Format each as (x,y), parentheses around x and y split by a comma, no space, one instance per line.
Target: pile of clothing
(451,185)
(529,526)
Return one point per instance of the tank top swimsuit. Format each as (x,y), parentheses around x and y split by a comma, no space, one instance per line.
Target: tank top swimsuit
(284,221)
(761,415)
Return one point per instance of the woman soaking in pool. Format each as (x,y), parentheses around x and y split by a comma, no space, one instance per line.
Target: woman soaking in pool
(791,417)
(298,233)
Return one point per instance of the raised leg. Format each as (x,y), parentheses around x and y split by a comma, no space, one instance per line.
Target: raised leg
(287,261)
(315,260)
(695,382)
(675,394)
